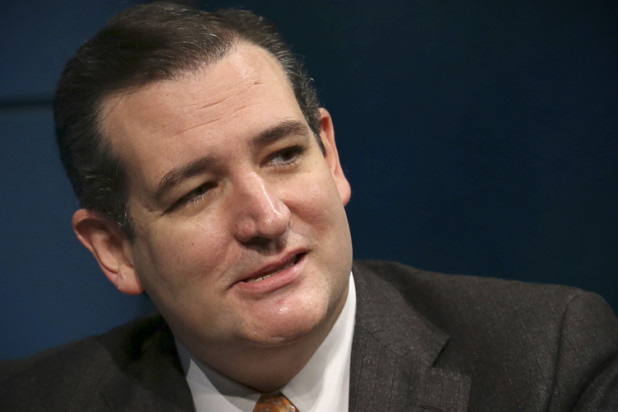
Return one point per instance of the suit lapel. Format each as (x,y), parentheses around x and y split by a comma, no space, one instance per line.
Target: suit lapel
(393,353)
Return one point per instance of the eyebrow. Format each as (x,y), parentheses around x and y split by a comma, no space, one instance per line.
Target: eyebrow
(176,175)
(280,131)
(271,135)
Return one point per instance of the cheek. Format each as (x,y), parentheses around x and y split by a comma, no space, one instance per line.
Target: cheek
(316,198)
(327,208)
(179,251)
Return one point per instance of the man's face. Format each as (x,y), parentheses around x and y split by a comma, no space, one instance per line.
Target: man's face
(241,237)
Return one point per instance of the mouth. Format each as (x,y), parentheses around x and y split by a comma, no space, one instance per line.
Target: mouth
(275,269)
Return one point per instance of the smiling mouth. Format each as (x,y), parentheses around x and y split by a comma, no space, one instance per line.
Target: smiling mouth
(269,274)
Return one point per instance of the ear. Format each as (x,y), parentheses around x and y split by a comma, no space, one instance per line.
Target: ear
(110,247)
(327,135)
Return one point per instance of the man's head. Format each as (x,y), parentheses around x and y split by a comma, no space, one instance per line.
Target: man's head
(142,45)
(236,198)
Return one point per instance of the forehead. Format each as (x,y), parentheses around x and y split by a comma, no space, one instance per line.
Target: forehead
(211,92)
(216,106)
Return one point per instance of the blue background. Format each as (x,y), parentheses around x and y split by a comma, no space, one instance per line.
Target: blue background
(479,137)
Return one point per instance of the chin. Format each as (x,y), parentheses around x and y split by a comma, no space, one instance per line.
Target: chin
(289,326)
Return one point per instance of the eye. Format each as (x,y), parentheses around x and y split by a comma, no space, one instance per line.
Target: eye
(194,196)
(286,156)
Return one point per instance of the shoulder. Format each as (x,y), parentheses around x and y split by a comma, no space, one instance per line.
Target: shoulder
(516,340)
(121,345)
(66,374)
(446,299)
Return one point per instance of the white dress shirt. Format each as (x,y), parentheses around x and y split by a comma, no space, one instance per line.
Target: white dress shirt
(321,386)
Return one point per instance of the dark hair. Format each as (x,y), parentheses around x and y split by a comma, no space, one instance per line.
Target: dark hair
(141,45)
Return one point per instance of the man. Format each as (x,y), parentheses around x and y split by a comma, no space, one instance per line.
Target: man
(209,179)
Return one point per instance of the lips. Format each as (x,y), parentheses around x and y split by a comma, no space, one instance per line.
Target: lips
(273,269)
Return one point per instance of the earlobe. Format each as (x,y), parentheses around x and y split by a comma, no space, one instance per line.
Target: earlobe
(110,247)
(327,135)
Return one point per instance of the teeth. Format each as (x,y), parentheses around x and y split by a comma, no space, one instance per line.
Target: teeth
(288,265)
(260,278)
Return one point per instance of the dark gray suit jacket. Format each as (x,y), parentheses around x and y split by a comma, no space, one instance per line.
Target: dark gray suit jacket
(422,342)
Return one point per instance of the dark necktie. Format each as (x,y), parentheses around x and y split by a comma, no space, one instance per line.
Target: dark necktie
(274,402)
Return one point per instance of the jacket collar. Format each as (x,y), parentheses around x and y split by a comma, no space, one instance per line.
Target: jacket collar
(393,353)
(150,378)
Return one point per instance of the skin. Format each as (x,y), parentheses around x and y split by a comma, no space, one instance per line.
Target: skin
(227,183)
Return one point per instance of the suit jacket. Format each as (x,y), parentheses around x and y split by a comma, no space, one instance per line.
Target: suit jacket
(422,342)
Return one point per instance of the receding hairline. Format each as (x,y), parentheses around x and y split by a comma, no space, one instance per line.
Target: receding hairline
(113,99)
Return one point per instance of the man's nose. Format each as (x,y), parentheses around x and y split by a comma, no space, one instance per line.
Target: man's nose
(260,213)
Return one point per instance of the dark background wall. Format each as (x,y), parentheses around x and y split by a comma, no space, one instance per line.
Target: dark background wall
(479,137)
